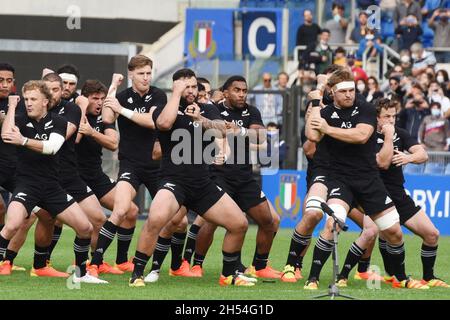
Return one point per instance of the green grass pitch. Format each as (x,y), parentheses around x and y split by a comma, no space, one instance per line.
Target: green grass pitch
(21,286)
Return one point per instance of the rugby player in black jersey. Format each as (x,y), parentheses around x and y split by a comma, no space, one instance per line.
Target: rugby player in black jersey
(8,159)
(40,135)
(69,176)
(95,135)
(133,109)
(70,77)
(316,179)
(392,142)
(348,127)
(185,179)
(236,178)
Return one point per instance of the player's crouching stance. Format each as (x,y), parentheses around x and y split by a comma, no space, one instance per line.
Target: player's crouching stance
(188,184)
(40,135)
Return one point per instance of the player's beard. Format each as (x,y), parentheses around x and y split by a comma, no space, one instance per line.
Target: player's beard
(184,102)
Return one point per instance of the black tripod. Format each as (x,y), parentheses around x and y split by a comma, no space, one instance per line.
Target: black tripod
(333,290)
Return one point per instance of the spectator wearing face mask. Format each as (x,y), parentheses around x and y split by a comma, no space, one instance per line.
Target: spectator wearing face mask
(436,94)
(443,80)
(370,42)
(395,89)
(405,8)
(405,62)
(441,30)
(408,33)
(434,131)
(372,92)
(338,25)
(319,56)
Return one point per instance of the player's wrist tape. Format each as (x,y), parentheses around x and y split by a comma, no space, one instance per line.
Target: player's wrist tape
(243,132)
(315,102)
(320,86)
(127,113)
(25,141)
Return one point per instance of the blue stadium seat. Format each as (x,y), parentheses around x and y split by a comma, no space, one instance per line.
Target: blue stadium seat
(447,170)
(387,29)
(427,36)
(411,168)
(434,168)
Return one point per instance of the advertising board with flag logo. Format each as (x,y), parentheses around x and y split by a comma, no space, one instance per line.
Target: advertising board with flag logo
(209,33)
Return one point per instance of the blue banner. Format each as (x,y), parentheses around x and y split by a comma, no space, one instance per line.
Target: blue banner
(286,190)
(209,33)
(262,33)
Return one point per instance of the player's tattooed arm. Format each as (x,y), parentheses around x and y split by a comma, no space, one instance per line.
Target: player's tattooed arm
(217,125)
(384,156)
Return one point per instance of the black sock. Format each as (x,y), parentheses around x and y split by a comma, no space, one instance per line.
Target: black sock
(56,235)
(298,243)
(198,259)
(3,246)
(81,249)
(386,257)
(161,250)
(124,237)
(230,263)
(10,255)
(260,261)
(428,256)
(105,237)
(190,242)
(397,257)
(363,265)
(140,261)
(40,257)
(353,256)
(322,251)
(176,246)
(240,266)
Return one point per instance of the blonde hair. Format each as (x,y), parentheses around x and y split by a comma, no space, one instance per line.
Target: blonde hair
(38,85)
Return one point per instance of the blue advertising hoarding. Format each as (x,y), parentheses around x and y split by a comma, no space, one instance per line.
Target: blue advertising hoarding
(262,33)
(286,190)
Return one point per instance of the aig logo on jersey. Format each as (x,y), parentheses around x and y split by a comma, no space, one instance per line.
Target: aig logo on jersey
(140,110)
(288,201)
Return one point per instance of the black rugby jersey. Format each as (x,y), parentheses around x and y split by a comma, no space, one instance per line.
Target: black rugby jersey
(34,167)
(88,151)
(136,142)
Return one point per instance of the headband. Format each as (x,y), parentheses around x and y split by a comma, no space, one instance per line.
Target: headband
(344,85)
(68,77)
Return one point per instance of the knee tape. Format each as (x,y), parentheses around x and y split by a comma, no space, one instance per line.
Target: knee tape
(339,212)
(388,220)
(313,203)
